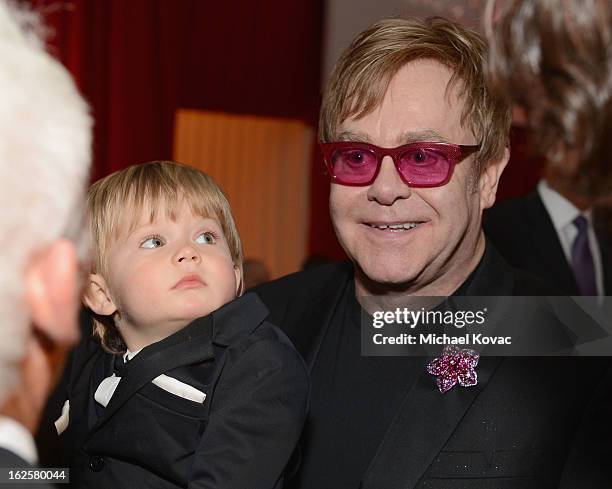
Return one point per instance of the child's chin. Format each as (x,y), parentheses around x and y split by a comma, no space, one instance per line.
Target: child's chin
(191,308)
(194,311)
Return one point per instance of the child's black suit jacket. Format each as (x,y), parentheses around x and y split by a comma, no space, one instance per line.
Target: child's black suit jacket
(241,436)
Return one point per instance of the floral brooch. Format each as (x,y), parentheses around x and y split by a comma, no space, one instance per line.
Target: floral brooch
(454,365)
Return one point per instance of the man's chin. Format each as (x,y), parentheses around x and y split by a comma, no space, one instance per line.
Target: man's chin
(375,277)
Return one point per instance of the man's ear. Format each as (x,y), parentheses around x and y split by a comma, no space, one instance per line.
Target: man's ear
(97,296)
(489,180)
(51,284)
(239,282)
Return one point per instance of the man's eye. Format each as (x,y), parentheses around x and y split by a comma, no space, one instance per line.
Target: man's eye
(152,242)
(356,157)
(206,238)
(422,157)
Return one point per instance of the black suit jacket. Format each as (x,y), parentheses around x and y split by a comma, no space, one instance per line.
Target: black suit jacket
(514,429)
(241,436)
(9,460)
(522,230)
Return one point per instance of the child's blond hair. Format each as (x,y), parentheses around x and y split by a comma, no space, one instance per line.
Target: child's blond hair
(131,190)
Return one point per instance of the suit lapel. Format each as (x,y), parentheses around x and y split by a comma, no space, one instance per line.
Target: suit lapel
(421,428)
(605,249)
(175,351)
(102,368)
(606,260)
(427,418)
(545,242)
(88,368)
(192,344)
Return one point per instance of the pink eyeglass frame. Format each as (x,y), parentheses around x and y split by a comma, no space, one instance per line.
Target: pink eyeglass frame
(455,153)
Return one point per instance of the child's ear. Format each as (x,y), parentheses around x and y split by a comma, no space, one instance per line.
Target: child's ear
(239,282)
(96,296)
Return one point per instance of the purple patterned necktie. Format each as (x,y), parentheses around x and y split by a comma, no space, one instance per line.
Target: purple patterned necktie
(582,259)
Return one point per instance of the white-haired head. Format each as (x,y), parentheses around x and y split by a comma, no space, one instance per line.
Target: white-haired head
(45,151)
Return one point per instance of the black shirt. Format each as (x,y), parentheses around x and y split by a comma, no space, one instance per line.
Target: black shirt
(354,399)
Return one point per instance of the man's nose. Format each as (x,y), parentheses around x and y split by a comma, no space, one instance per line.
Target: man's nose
(388,186)
(188,253)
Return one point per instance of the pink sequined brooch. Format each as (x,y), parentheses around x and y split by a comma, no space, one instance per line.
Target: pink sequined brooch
(454,365)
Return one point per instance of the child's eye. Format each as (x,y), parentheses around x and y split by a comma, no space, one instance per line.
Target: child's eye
(152,242)
(206,238)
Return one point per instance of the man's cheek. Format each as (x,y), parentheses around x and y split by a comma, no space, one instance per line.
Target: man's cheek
(339,218)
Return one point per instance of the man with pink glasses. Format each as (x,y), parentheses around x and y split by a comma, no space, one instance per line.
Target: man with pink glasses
(415,145)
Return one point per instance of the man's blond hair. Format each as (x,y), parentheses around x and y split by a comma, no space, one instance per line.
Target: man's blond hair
(115,205)
(361,77)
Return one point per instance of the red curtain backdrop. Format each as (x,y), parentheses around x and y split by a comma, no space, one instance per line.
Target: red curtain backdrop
(137,61)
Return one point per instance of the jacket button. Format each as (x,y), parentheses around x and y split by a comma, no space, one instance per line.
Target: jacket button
(96,463)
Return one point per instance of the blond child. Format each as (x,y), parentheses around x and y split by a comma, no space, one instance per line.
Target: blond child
(191,388)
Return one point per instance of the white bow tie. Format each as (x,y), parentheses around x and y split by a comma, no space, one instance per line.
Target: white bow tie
(106,389)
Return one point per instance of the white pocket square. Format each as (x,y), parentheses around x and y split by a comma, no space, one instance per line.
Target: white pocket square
(178,388)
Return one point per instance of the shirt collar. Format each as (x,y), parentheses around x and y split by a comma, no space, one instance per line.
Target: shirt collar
(16,438)
(561,211)
(128,355)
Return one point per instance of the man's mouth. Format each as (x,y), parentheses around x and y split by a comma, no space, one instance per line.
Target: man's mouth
(396,227)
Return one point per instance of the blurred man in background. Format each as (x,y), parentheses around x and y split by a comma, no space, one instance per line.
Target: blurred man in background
(553,233)
(45,144)
(554,60)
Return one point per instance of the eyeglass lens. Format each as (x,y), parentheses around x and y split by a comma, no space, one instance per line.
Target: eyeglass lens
(417,166)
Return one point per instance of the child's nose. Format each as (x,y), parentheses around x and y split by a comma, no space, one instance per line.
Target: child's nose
(188,254)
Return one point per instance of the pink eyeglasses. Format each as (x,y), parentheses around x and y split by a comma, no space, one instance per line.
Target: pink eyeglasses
(419,164)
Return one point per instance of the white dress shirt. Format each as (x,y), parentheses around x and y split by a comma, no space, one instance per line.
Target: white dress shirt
(562,213)
(16,438)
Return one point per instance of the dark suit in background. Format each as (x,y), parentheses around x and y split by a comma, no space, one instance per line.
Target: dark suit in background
(523,232)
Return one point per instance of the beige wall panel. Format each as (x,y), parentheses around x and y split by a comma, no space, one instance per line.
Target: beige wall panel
(263,165)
